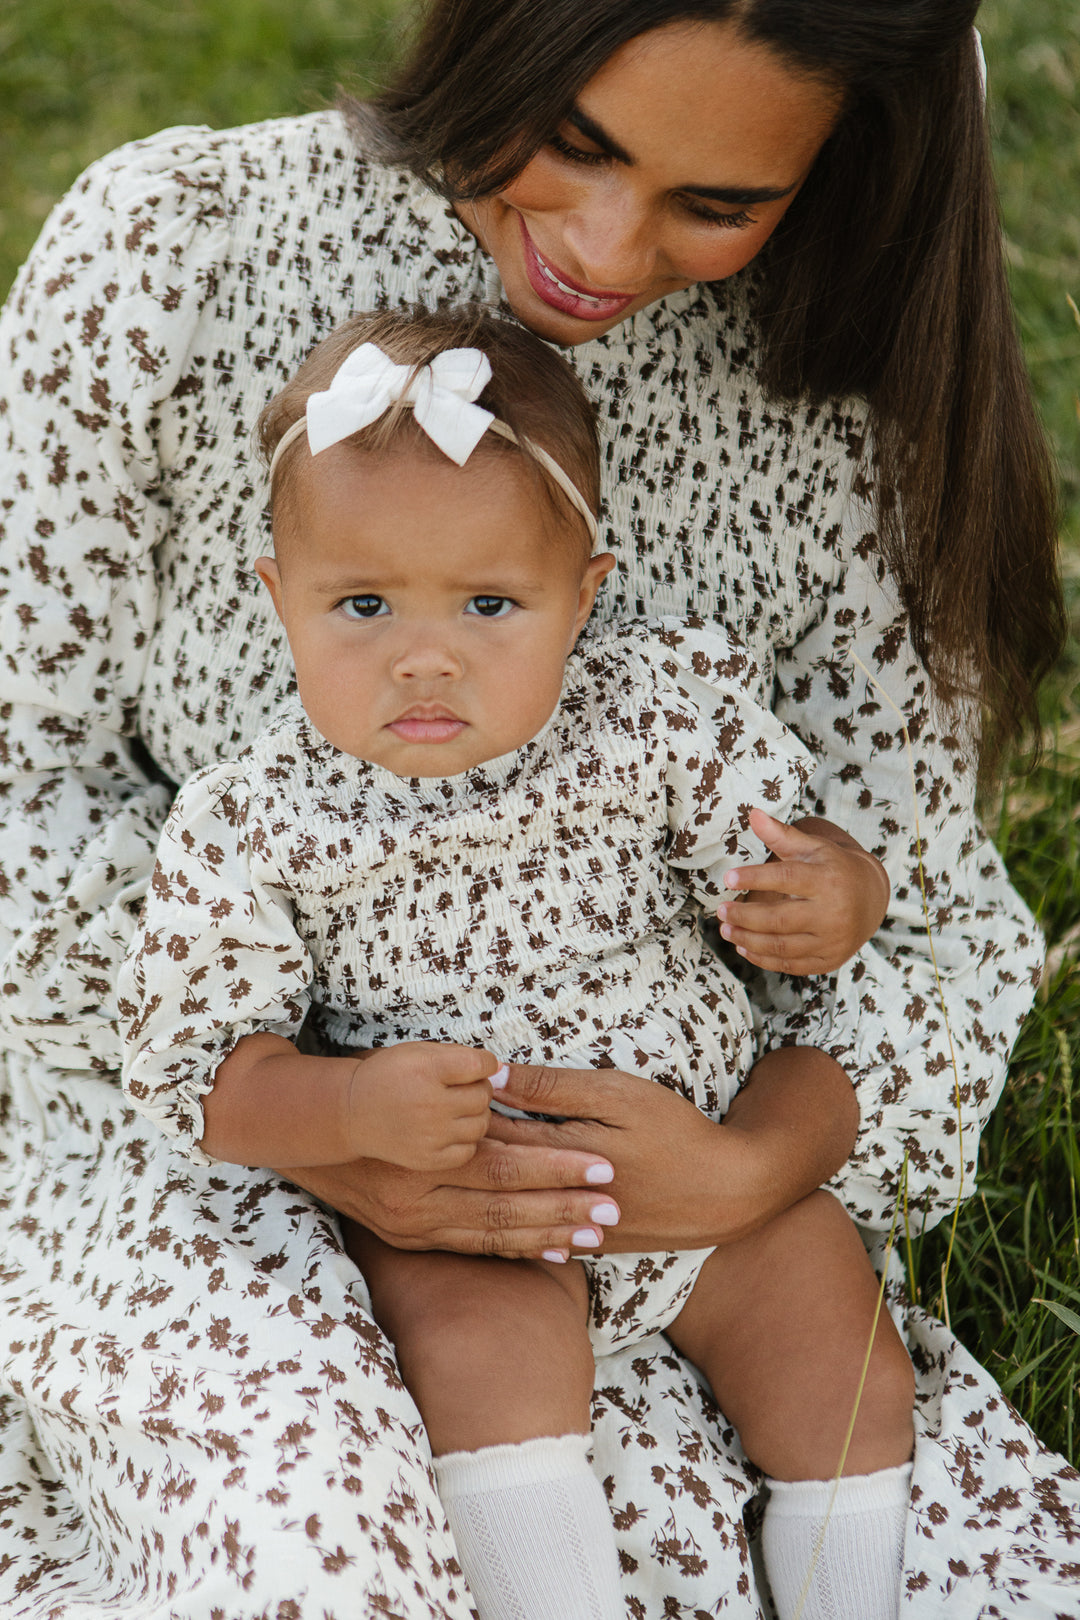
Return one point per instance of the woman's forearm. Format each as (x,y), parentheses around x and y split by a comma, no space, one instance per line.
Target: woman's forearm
(273,1105)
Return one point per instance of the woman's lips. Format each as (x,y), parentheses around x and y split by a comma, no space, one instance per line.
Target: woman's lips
(560,293)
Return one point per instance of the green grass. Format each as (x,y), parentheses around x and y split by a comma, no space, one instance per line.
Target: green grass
(77,80)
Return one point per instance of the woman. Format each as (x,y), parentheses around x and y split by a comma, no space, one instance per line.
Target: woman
(200,1417)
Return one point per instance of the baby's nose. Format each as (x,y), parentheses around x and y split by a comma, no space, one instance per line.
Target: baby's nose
(427,655)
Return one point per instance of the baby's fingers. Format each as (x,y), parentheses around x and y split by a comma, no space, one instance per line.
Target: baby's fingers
(799,878)
(743,920)
(796,954)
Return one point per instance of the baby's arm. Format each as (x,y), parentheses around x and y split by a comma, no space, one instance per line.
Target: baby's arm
(813,904)
(215,989)
(420,1104)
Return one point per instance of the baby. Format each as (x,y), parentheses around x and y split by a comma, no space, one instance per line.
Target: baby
(483,834)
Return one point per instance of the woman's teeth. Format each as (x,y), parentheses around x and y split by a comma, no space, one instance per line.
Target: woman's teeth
(572,292)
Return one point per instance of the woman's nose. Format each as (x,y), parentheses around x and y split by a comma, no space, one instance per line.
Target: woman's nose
(613,241)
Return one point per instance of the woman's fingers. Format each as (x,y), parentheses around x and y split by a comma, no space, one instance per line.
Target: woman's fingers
(414,1210)
(572,1134)
(584,1093)
(532,1166)
(508,1224)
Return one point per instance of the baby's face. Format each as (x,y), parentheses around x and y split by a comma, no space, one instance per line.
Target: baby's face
(429,608)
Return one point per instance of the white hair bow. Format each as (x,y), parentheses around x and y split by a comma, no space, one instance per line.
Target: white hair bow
(441,394)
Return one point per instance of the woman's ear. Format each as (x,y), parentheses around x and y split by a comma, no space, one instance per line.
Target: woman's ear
(595,573)
(270,574)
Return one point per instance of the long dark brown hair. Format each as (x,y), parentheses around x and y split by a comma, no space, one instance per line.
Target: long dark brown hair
(885,279)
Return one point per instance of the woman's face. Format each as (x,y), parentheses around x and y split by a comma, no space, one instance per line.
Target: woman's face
(679,159)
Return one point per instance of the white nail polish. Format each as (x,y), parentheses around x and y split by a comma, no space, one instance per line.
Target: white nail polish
(500,1077)
(555,1255)
(597,1173)
(604,1215)
(586,1239)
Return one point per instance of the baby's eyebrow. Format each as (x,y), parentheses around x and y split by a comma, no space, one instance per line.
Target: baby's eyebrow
(349,585)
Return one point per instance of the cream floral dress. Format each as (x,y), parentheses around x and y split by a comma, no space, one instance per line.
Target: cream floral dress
(197,1416)
(540,906)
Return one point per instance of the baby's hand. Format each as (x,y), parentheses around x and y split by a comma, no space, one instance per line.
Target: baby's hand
(812,906)
(423,1104)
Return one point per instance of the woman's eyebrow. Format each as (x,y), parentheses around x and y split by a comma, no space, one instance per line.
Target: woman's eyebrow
(737,196)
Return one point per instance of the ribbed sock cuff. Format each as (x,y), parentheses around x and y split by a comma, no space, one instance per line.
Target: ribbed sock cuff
(506,1468)
(887,1489)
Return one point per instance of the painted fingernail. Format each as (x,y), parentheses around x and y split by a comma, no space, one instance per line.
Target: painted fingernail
(500,1077)
(596,1173)
(604,1215)
(586,1239)
(555,1255)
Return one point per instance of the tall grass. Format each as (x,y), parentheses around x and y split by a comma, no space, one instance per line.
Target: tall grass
(76,80)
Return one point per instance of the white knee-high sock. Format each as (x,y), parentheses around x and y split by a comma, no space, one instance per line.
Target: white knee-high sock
(533,1530)
(859,1568)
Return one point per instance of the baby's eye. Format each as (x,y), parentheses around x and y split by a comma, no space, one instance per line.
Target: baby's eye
(363,607)
(491,607)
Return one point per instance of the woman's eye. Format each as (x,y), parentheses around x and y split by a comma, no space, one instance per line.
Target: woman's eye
(490,607)
(572,153)
(363,607)
(731,222)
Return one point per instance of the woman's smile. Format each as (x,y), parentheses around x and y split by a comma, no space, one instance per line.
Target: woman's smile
(557,289)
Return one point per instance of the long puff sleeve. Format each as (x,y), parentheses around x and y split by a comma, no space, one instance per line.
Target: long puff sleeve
(925,1046)
(215,956)
(726,753)
(93,338)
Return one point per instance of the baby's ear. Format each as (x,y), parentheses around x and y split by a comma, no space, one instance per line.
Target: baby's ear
(270,574)
(595,573)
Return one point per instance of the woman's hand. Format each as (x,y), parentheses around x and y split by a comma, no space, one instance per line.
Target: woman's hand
(812,905)
(509,1200)
(682,1181)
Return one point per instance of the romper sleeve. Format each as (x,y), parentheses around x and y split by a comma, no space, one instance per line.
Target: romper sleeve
(726,753)
(215,956)
(923,1019)
(92,339)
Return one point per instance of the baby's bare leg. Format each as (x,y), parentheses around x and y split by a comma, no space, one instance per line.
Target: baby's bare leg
(780,1325)
(492,1351)
(497,1357)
